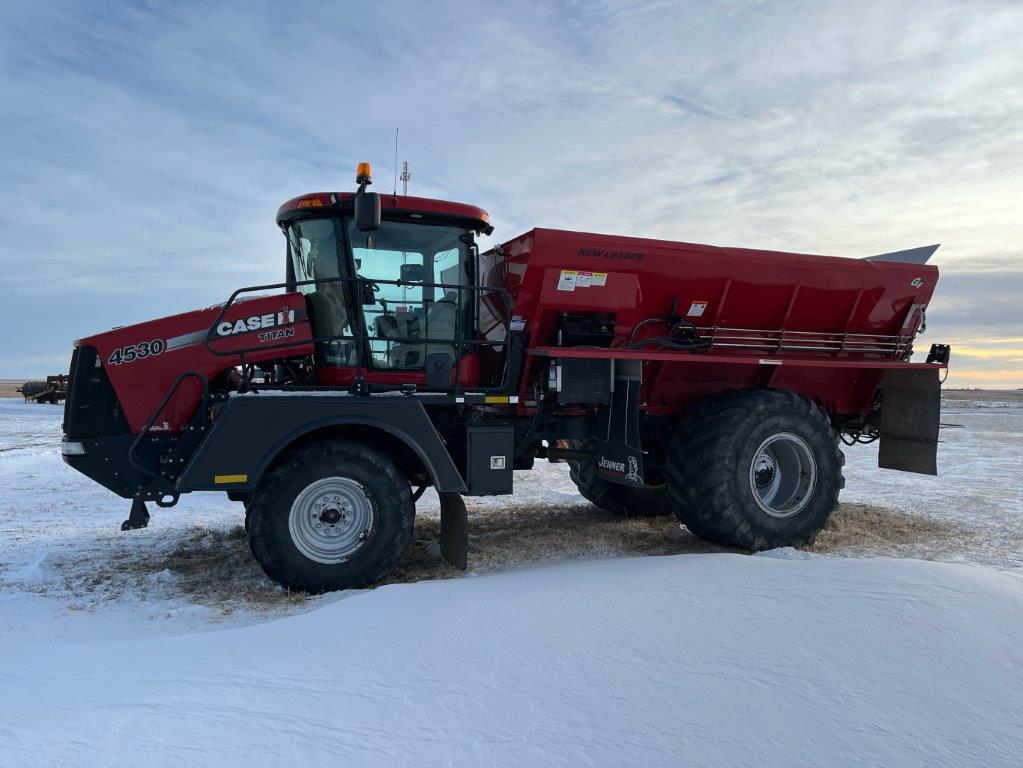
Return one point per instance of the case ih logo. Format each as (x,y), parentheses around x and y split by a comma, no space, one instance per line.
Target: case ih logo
(597,253)
(256,323)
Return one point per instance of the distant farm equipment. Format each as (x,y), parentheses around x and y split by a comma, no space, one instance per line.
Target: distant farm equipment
(53,390)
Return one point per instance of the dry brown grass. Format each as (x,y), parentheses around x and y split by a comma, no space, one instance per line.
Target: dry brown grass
(499,540)
(859,529)
(205,566)
(214,568)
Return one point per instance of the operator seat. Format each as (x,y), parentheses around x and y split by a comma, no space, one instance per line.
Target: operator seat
(328,313)
(439,323)
(398,328)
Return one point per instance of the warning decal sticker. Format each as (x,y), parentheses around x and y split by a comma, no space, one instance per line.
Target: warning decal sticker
(697,308)
(571,279)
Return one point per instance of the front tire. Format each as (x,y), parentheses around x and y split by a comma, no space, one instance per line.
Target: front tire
(330,515)
(755,469)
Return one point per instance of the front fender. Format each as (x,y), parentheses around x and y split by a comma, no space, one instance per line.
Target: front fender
(252,430)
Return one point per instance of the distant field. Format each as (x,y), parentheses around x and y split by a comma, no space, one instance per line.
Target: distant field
(8,387)
(982,395)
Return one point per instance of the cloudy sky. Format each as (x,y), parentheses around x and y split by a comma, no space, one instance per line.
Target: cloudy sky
(144,147)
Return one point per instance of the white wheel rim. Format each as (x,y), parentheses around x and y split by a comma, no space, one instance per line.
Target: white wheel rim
(331,519)
(783,475)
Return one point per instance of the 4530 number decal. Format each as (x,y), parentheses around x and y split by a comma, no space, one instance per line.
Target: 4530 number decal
(133,352)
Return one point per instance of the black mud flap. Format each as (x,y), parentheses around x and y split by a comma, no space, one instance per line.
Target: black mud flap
(910,412)
(619,449)
(454,530)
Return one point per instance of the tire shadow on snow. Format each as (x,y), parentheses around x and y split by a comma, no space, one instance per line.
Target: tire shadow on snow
(213,567)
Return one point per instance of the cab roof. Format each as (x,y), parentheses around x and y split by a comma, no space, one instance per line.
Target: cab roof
(326,201)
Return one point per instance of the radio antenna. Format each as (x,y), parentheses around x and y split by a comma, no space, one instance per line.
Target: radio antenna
(395,161)
(406,174)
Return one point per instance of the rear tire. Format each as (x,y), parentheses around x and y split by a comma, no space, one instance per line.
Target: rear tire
(755,469)
(330,515)
(613,497)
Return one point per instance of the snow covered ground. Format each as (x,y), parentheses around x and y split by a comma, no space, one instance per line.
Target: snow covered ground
(980,483)
(167,646)
(691,660)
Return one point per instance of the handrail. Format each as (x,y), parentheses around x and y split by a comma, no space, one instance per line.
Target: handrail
(836,342)
(132,459)
(360,333)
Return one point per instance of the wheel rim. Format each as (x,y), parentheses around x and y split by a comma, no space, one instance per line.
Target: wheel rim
(331,519)
(783,475)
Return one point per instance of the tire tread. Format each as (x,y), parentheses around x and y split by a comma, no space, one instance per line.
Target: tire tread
(272,500)
(702,462)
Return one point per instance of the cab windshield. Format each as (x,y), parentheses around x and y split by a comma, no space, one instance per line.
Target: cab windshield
(419,311)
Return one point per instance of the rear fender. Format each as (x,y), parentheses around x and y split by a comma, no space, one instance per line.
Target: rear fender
(253,430)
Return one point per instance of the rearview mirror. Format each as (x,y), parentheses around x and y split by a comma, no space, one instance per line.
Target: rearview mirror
(367,211)
(412,273)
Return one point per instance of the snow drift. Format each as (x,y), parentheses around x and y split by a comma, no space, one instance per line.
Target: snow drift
(688,660)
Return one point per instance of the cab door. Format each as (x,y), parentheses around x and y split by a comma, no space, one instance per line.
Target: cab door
(417,307)
(316,253)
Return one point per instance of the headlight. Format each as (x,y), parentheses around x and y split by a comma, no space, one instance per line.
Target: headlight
(69,448)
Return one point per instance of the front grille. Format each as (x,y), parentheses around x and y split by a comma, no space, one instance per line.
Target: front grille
(71,390)
(92,408)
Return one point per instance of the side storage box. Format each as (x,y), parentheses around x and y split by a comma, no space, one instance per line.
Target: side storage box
(489,459)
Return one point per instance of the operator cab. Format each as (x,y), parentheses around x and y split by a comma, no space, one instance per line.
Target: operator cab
(390,285)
